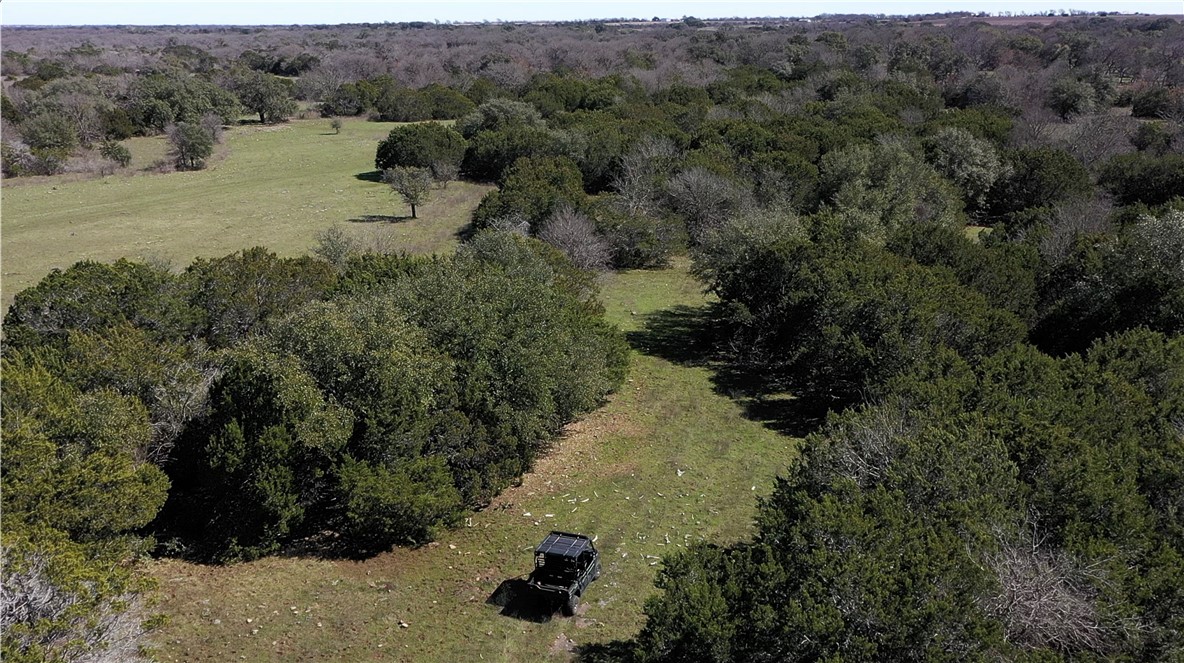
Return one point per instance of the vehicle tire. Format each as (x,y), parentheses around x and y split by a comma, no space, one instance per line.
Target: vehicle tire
(596,571)
(572,602)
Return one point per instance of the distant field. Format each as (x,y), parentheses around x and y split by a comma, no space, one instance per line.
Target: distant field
(274,186)
(615,474)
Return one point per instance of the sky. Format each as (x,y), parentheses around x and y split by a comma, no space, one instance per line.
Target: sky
(288,12)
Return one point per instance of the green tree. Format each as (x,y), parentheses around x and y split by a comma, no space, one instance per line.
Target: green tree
(533,188)
(1070,96)
(116,152)
(970,163)
(400,505)
(1144,178)
(491,153)
(499,114)
(841,322)
(190,145)
(426,145)
(266,95)
(49,131)
(91,296)
(363,353)
(75,494)
(876,189)
(413,184)
(70,459)
(264,457)
(238,292)
(157,100)
(1038,177)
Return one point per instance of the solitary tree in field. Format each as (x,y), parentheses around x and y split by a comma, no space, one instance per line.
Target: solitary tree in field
(335,125)
(267,95)
(412,183)
(191,144)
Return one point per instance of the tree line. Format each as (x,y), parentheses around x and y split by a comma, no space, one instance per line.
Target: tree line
(253,402)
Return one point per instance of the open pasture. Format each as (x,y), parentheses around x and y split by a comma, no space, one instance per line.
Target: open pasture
(275,186)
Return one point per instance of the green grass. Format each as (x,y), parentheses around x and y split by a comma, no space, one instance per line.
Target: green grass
(272,186)
(614,475)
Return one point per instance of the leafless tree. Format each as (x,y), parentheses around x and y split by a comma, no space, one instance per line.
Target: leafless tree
(1072,220)
(1094,140)
(513,223)
(705,199)
(643,168)
(575,235)
(30,597)
(1049,598)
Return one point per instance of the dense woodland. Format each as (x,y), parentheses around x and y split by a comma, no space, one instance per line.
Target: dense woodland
(964,241)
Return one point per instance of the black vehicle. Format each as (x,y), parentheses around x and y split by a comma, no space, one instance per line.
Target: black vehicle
(564,565)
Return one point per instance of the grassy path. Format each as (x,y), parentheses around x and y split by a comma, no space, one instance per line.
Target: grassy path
(277,187)
(615,474)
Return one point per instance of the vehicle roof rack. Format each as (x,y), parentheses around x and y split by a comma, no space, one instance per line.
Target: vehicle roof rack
(564,544)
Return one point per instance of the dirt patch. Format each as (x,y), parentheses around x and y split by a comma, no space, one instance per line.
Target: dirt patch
(574,452)
(563,645)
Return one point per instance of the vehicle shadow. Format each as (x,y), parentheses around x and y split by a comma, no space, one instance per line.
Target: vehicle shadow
(516,600)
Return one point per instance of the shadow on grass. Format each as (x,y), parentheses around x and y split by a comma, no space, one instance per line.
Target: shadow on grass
(681,334)
(370,176)
(466,232)
(380,218)
(516,600)
(694,336)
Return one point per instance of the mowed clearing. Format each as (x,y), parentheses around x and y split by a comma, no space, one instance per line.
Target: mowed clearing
(667,462)
(270,186)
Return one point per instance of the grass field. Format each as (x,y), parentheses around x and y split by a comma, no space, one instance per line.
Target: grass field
(615,475)
(272,186)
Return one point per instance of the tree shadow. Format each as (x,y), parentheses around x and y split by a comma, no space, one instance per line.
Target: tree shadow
(466,232)
(380,218)
(696,336)
(370,176)
(516,600)
(680,334)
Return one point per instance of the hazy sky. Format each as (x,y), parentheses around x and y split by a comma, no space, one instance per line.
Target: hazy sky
(285,12)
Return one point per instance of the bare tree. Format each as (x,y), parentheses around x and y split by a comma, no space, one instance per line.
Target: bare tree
(1072,220)
(30,598)
(1048,598)
(705,199)
(575,235)
(639,179)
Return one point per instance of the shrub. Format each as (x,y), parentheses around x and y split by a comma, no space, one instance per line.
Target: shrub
(116,152)
(533,188)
